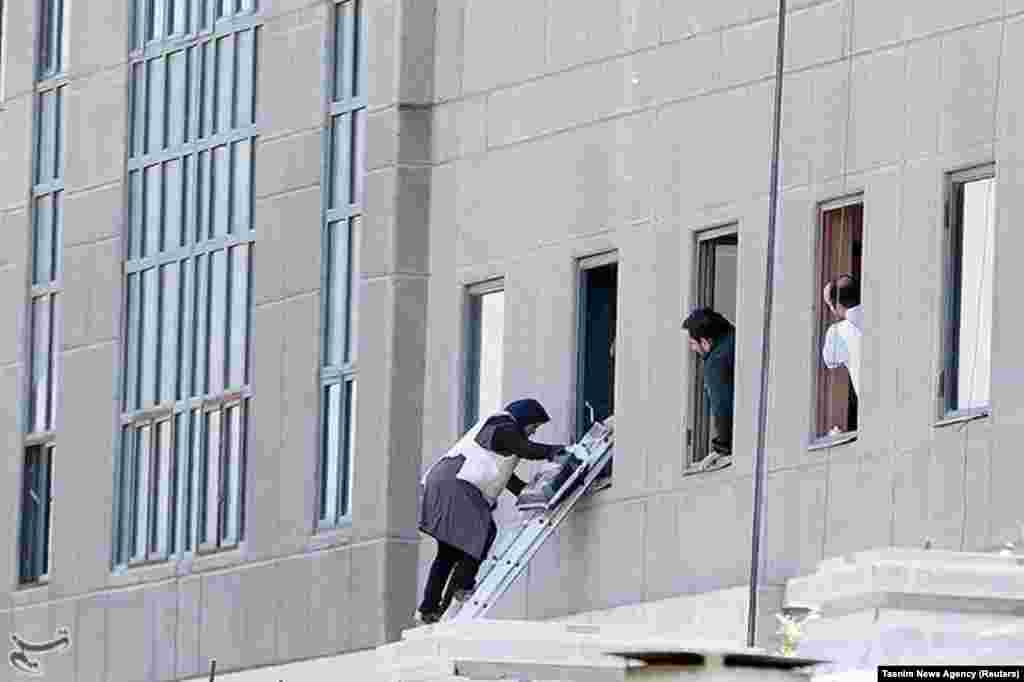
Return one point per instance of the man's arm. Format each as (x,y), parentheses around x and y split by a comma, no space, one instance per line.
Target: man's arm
(833,350)
(509,440)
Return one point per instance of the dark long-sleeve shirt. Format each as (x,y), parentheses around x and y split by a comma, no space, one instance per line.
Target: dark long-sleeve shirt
(719,382)
(501,434)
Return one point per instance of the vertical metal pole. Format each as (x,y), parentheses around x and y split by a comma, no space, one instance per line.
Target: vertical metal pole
(760,466)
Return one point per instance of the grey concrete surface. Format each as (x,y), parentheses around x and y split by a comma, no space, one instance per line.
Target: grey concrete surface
(508,140)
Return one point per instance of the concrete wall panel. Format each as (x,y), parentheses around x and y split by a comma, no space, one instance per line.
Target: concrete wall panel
(606,28)
(817,34)
(99,38)
(874,27)
(287,163)
(681,19)
(877,109)
(296,468)
(795,533)
(92,297)
(292,74)
(266,454)
(93,215)
(95,126)
(83,477)
(19,49)
(503,43)
(449,42)
(15,151)
(853,525)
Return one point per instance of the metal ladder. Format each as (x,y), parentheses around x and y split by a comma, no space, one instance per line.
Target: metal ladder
(516,546)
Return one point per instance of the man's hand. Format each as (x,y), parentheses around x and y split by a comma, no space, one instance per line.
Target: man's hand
(827,296)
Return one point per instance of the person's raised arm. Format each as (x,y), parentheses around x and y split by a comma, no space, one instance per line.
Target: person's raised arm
(509,440)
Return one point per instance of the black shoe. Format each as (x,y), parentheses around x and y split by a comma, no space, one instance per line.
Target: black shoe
(428,618)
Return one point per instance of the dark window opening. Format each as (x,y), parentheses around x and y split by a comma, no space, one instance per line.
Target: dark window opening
(598,313)
(715,288)
(839,253)
(33,555)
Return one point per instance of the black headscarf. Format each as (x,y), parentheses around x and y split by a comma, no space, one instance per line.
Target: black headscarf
(527,411)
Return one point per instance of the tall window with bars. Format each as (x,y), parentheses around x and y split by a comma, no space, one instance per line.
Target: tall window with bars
(47,183)
(344,150)
(188,279)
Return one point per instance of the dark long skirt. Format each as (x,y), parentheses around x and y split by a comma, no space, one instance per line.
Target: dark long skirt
(455,512)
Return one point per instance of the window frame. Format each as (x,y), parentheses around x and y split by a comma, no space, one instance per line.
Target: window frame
(199,257)
(473,295)
(52,48)
(585,264)
(44,274)
(344,81)
(951,292)
(32,546)
(698,421)
(816,441)
(3,53)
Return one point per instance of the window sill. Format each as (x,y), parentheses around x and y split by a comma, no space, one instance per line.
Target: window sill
(696,470)
(38,584)
(141,572)
(164,568)
(832,441)
(331,536)
(963,417)
(30,594)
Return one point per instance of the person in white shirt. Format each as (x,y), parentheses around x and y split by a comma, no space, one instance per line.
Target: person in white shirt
(842,340)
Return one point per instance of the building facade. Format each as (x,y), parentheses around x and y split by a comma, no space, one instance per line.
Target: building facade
(262,260)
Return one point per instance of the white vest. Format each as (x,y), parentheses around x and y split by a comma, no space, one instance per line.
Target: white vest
(486,469)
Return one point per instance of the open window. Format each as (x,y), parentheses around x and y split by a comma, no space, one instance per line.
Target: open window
(36,496)
(717,254)
(485,336)
(837,338)
(966,379)
(598,312)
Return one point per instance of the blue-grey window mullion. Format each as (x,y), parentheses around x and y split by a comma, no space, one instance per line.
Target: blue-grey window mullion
(344,18)
(347,105)
(51,389)
(473,332)
(52,287)
(58,113)
(345,417)
(195,446)
(55,185)
(163,155)
(348,356)
(341,213)
(132,454)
